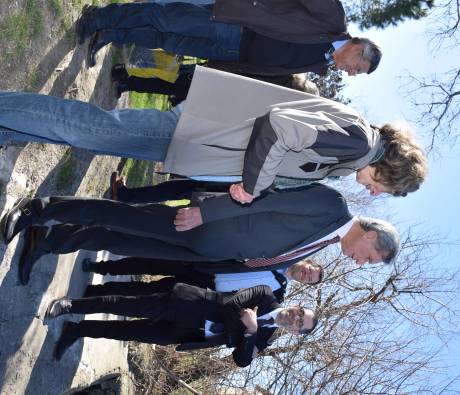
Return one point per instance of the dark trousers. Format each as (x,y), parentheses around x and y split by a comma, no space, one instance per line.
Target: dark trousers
(177,91)
(63,239)
(143,330)
(132,288)
(180,28)
(174,317)
(180,271)
(169,190)
(144,306)
(132,265)
(131,230)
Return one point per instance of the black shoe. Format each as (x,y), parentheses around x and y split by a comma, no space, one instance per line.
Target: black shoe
(81,26)
(94,46)
(68,337)
(87,265)
(119,73)
(59,307)
(120,87)
(16,219)
(32,251)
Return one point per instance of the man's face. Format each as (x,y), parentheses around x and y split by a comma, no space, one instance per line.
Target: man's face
(295,318)
(304,272)
(350,59)
(366,177)
(361,248)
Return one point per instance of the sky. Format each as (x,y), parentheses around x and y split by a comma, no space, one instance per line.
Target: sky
(380,97)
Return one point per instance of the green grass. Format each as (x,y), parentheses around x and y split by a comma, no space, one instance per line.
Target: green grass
(138,172)
(56,7)
(18,29)
(66,172)
(117,55)
(34,16)
(33,79)
(15,30)
(77,3)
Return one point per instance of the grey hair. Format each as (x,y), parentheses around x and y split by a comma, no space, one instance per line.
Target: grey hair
(371,52)
(387,237)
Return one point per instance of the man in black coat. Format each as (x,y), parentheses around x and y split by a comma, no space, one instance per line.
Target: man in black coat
(189,316)
(281,229)
(264,37)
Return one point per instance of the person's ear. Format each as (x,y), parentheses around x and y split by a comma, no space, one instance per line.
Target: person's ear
(371,235)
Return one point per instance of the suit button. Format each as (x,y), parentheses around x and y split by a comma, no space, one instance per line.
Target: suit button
(254,3)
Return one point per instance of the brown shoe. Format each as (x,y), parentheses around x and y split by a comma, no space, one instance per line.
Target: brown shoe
(116,181)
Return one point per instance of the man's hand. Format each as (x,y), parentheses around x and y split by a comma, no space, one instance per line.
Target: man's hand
(238,193)
(249,319)
(188,218)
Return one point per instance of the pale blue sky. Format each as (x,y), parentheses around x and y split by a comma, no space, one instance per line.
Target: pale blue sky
(380,98)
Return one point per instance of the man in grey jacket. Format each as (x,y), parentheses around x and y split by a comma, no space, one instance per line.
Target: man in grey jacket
(253,135)
(265,37)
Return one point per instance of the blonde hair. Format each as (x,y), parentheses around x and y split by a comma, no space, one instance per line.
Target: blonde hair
(403,166)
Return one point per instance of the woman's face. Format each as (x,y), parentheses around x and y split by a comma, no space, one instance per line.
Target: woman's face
(365,176)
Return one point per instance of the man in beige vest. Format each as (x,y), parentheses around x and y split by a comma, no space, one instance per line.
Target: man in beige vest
(231,129)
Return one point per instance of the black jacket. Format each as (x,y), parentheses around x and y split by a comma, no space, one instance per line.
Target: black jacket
(196,307)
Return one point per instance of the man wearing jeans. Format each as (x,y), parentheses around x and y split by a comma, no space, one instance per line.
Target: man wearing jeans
(265,37)
(253,135)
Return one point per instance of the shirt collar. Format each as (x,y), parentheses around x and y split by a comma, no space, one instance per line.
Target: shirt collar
(344,229)
(339,44)
(335,46)
(273,314)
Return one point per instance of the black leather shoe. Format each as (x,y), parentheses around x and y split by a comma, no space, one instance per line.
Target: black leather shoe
(59,307)
(16,219)
(31,252)
(81,26)
(68,337)
(87,265)
(120,87)
(119,73)
(94,46)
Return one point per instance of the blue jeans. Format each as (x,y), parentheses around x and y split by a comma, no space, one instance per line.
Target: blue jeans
(180,28)
(140,134)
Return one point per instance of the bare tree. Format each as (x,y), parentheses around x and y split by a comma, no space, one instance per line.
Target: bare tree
(437,97)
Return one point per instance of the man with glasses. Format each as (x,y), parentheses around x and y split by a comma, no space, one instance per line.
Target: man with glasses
(264,37)
(189,316)
(304,272)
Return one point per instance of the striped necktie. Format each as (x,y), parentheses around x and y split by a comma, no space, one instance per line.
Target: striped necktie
(259,262)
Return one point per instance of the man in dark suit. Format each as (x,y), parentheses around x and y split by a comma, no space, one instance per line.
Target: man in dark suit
(304,272)
(264,37)
(189,316)
(281,229)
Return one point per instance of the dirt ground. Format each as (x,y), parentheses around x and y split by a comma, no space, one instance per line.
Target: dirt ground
(48,61)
